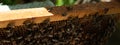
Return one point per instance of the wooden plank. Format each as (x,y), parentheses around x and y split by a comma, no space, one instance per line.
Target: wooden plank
(24,13)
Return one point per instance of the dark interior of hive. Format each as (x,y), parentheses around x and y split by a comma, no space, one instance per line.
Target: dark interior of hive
(93,29)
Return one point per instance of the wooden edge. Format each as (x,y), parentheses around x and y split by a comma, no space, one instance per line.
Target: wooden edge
(24,13)
(19,22)
(55,17)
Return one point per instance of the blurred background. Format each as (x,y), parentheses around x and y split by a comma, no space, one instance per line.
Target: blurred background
(56,2)
(20,4)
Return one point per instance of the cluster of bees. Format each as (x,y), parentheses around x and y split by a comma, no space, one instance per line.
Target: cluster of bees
(89,30)
(93,29)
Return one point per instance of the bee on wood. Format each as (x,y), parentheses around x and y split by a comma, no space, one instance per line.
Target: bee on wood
(11,25)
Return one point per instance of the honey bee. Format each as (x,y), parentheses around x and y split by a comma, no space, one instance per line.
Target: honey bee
(11,25)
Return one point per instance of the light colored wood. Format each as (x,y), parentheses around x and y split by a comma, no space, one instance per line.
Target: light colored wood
(24,13)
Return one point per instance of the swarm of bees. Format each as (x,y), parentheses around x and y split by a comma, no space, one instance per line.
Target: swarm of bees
(92,29)
(89,30)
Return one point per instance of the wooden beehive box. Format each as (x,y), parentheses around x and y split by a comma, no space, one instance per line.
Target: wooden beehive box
(87,24)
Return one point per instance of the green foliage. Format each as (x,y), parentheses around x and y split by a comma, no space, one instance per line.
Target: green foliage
(57,2)
(64,2)
(9,2)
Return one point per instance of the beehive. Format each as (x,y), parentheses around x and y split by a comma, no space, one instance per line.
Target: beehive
(87,24)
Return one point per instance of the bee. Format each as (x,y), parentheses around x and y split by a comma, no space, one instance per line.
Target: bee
(64,14)
(69,8)
(49,9)
(10,25)
(46,21)
(27,22)
(106,10)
